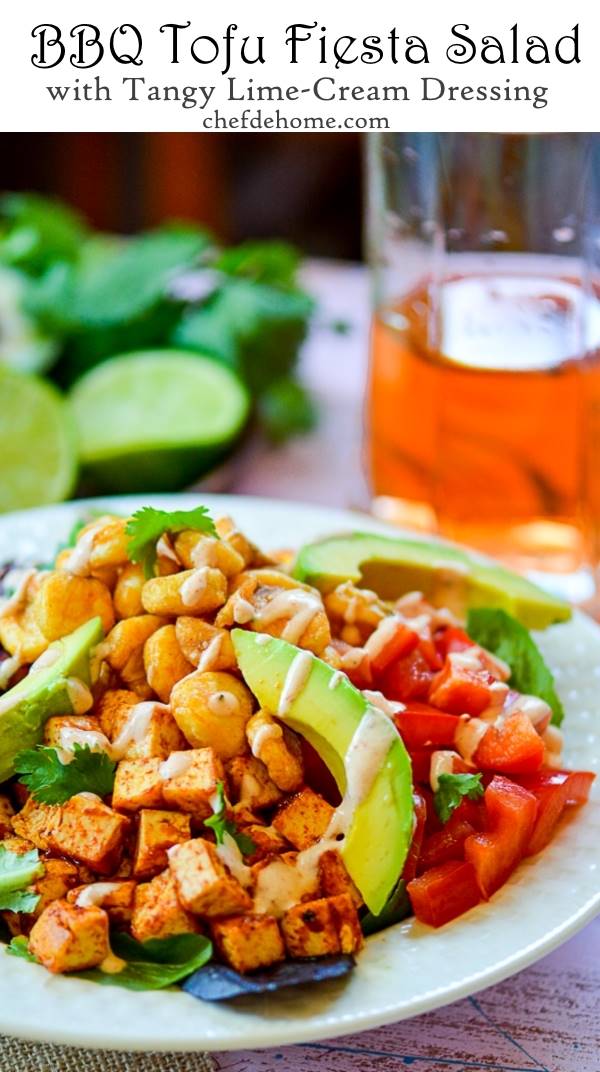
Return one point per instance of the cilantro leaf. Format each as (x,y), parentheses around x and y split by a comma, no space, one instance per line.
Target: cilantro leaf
(150,965)
(505,637)
(17,871)
(452,788)
(52,782)
(220,825)
(396,908)
(147,526)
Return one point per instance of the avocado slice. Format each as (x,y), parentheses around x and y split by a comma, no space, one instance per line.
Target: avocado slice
(447,575)
(328,715)
(44,692)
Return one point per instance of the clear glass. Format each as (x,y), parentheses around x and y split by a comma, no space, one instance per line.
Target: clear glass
(483,410)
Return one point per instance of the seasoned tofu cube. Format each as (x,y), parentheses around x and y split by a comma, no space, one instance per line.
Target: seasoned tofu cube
(190,780)
(204,885)
(197,591)
(36,822)
(266,840)
(116,898)
(138,784)
(91,832)
(113,708)
(335,879)
(64,602)
(248,942)
(68,938)
(157,912)
(153,734)
(54,727)
(164,662)
(212,709)
(250,784)
(60,876)
(322,927)
(6,814)
(157,832)
(278,748)
(304,818)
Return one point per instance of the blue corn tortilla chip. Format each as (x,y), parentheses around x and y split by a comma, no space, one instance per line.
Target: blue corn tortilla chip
(217,982)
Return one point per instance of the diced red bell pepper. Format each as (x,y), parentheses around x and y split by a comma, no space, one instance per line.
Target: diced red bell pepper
(513,747)
(444,892)
(360,675)
(420,759)
(460,690)
(422,726)
(407,679)
(410,864)
(554,791)
(445,844)
(452,639)
(511,812)
(401,643)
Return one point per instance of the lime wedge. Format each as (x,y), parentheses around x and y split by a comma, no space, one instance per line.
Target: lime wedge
(38,460)
(156,420)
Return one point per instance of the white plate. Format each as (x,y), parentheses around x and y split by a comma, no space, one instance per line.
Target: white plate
(403,971)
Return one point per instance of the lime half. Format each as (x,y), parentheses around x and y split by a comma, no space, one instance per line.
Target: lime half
(38,462)
(156,420)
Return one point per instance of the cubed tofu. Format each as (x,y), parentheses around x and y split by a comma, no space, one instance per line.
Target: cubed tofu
(190,780)
(248,942)
(113,708)
(278,748)
(157,912)
(60,876)
(205,646)
(53,729)
(323,927)
(90,831)
(164,662)
(154,734)
(36,822)
(334,878)
(6,814)
(203,883)
(212,708)
(138,784)
(266,840)
(250,784)
(188,592)
(115,897)
(64,602)
(157,832)
(67,938)
(304,818)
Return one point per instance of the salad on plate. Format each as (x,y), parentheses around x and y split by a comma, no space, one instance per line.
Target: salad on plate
(227,768)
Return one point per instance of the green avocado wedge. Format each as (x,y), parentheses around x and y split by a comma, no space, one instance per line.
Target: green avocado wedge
(328,714)
(43,693)
(447,575)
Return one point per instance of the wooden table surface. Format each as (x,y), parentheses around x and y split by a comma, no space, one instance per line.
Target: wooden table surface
(547,1018)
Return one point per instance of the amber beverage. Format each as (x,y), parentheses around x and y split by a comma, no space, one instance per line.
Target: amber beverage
(483,407)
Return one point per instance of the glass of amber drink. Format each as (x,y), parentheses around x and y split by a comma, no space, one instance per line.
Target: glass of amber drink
(483,407)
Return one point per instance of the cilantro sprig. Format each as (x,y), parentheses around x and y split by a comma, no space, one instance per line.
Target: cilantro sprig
(147,525)
(17,871)
(451,790)
(52,782)
(220,825)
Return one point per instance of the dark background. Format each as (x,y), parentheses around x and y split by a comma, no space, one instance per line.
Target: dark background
(303,187)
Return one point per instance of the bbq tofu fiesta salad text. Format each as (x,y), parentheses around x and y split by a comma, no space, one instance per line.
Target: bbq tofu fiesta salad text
(211,756)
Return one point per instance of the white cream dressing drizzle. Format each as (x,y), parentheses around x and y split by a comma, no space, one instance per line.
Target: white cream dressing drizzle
(268,731)
(352,658)
(80,697)
(334,680)
(194,587)
(499,691)
(210,655)
(135,726)
(78,560)
(364,759)
(284,883)
(165,549)
(243,611)
(250,788)
(20,579)
(468,736)
(381,702)
(47,658)
(537,710)
(206,552)
(69,736)
(382,634)
(112,964)
(230,855)
(299,606)
(223,703)
(263,638)
(295,680)
(442,762)
(96,894)
(177,763)
(89,796)
(8,667)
